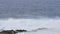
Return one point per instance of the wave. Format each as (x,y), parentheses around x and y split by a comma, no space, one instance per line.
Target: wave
(29,24)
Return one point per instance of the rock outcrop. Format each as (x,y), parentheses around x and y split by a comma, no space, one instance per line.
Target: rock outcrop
(12,31)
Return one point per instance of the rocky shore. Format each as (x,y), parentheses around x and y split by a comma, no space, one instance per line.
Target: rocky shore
(12,31)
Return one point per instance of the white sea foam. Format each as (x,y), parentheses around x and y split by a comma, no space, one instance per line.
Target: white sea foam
(29,24)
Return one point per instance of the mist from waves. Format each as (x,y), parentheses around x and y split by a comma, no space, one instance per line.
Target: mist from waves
(29,24)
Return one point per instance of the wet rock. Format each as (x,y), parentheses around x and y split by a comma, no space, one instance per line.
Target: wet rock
(8,32)
(21,30)
(12,31)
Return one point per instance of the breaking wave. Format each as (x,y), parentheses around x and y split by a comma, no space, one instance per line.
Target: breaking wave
(29,24)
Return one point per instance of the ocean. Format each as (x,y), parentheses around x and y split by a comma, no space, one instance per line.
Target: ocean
(30,15)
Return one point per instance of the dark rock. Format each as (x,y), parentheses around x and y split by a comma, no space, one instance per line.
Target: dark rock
(8,32)
(21,30)
(11,31)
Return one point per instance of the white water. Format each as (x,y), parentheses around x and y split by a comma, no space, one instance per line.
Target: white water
(53,25)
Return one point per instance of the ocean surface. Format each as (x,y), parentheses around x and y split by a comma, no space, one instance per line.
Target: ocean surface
(30,15)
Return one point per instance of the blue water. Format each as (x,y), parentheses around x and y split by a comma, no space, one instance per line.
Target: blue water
(29,8)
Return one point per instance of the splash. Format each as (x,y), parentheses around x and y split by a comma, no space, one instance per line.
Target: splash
(29,24)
